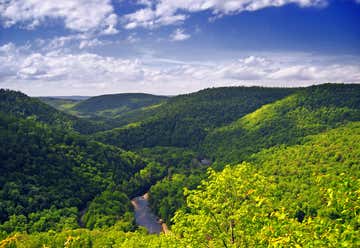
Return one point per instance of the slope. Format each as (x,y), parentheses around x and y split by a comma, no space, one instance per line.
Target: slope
(305,195)
(308,111)
(20,105)
(115,105)
(62,104)
(184,121)
(286,121)
(48,172)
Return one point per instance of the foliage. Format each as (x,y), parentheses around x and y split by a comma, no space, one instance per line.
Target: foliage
(107,209)
(170,170)
(309,111)
(294,179)
(48,219)
(84,238)
(62,104)
(303,195)
(184,121)
(116,105)
(162,161)
(19,105)
(44,166)
(166,196)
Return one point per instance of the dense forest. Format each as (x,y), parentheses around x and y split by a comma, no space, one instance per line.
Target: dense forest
(308,111)
(185,120)
(115,105)
(108,110)
(224,167)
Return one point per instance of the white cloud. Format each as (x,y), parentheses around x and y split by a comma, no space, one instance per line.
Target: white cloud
(110,22)
(69,43)
(149,18)
(167,12)
(78,15)
(8,48)
(59,72)
(91,43)
(179,35)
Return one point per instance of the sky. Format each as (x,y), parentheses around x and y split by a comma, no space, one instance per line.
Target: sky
(170,47)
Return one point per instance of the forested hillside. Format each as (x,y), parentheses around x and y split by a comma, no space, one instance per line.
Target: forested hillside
(307,111)
(109,111)
(49,173)
(286,121)
(224,167)
(287,196)
(184,121)
(115,105)
(19,105)
(62,104)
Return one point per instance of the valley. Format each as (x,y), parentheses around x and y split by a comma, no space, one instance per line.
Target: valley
(179,124)
(221,167)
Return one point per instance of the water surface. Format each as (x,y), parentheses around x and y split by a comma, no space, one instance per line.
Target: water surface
(143,215)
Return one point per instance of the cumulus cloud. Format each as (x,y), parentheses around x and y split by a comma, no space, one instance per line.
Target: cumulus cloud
(179,35)
(51,73)
(166,12)
(78,15)
(149,18)
(90,15)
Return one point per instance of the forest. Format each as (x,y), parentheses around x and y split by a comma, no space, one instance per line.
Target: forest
(223,167)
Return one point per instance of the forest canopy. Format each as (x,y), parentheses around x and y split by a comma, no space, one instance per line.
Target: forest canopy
(223,167)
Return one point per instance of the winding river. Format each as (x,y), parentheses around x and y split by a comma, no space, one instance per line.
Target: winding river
(143,215)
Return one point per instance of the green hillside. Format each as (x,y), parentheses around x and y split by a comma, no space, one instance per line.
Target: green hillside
(20,105)
(308,111)
(305,195)
(45,168)
(115,105)
(184,121)
(49,173)
(286,121)
(224,167)
(62,104)
(287,196)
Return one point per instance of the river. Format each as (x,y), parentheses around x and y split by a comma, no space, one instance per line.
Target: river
(143,215)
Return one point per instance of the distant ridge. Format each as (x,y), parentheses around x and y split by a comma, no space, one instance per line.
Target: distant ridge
(112,105)
(78,98)
(18,104)
(184,120)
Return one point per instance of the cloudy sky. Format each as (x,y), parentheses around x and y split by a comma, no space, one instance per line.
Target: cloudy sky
(92,47)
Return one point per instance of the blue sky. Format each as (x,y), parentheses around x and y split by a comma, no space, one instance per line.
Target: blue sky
(92,47)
